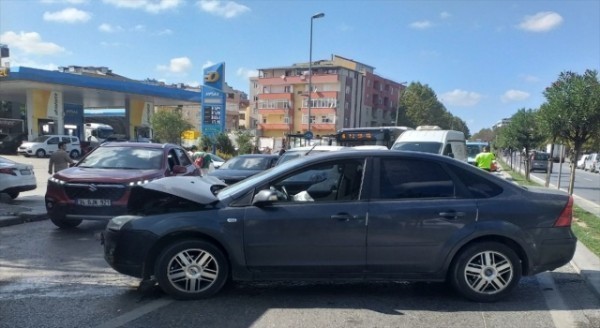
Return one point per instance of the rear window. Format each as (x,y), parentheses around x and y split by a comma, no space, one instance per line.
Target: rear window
(540,157)
(424,147)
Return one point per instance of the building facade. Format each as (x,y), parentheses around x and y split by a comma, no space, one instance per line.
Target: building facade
(345,93)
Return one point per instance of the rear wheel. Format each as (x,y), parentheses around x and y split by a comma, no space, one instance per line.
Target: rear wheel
(74,154)
(40,153)
(191,269)
(65,223)
(486,272)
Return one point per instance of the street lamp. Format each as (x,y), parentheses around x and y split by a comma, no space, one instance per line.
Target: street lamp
(319,15)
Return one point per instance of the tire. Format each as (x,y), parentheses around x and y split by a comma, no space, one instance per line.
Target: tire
(499,271)
(13,194)
(40,153)
(74,154)
(191,280)
(65,223)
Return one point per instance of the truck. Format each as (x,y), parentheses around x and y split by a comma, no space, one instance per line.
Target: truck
(97,133)
(557,153)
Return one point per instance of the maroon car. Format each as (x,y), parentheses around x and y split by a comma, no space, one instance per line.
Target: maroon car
(98,186)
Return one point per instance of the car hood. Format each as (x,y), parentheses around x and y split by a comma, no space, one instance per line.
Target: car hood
(193,188)
(105,175)
(223,173)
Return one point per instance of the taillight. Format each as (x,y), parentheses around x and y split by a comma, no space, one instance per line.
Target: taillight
(9,171)
(566,216)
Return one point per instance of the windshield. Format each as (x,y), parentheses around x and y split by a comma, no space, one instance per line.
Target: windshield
(424,147)
(246,163)
(216,158)
(41,139)
(131,158)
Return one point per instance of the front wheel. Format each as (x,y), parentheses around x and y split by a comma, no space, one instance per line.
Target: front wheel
(40,153)
(65,223)
(486,272)
(191,269)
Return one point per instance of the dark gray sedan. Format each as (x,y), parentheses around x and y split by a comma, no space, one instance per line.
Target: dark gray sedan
(240,167)
(344,215)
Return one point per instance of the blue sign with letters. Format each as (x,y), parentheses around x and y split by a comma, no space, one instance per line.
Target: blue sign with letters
(212,108)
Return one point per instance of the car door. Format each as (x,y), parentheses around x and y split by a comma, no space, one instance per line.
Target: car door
(51,145)
(416,215)
(319,230)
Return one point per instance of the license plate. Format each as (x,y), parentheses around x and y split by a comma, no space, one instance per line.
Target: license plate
(93,202)
(25,172)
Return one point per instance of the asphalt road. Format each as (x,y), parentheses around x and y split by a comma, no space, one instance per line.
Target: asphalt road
(55,278)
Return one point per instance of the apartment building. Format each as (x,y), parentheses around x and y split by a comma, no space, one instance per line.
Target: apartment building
(345,93)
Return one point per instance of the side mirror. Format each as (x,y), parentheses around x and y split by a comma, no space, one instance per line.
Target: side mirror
(264,197)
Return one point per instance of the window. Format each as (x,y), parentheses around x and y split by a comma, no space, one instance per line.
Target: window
(324,182)
(478,186)
(183,158)
(53,141)
(407,178)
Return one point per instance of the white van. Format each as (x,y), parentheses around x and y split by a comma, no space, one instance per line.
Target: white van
(432,139)
(45,145)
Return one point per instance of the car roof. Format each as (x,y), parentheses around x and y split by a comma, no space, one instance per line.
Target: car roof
(138,144)
(319,148)
(258,155)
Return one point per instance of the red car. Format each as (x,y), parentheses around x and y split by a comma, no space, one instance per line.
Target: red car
(99,185)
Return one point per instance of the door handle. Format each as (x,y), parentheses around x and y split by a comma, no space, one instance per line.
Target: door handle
(343,217)
(451,214)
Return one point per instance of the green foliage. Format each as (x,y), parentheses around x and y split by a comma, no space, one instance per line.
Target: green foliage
(484,135)
(224,144)
(244,141)
(419,106)
(168,125)
(523,132)
(206,141)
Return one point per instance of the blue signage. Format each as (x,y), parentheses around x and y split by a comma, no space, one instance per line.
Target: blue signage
(308,135)
(213,116)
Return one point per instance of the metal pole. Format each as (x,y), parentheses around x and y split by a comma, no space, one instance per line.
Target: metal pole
(319,15)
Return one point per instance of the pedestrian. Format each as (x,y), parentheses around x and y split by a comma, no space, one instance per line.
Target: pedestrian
(60,159)
(203,160)
(485,159)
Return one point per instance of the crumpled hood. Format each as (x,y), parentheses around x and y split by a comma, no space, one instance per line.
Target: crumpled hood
(193,188)
(105,175)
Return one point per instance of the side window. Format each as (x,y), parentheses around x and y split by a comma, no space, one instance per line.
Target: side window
(325,182)
(478,187)
(74,140)
(183,158)
(406,178)
(172,159)
(53,141)
(447,150)
(66,140)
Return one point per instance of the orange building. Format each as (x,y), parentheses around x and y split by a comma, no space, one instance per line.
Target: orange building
(345,93)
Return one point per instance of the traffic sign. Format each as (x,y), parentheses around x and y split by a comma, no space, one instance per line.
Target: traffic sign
(308,135)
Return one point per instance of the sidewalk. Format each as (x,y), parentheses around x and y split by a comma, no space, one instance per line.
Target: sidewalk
(31,208)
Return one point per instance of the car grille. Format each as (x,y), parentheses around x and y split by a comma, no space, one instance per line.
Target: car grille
(95,191)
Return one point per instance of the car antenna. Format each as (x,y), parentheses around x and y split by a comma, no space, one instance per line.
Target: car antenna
(313,147)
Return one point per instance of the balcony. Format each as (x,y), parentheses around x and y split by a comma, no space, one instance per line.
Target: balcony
(275,96)
(275,126)
(320,128)
(298,79)
(274,111)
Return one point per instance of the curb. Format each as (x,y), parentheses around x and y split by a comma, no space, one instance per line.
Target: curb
(9,220)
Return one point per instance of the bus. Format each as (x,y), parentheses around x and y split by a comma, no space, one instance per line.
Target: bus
(370,136)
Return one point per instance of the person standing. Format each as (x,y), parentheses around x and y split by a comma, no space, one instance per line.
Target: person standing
(60,159)
(484,159)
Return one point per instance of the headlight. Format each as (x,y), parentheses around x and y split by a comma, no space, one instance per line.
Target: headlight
(55,180)
(118,222)
(139,183)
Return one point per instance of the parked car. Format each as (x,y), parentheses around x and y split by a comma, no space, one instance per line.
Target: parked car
(344,215)
(538,161)
(299,152)
(98,186)
(240,167)
(591,163)
(16,177)
(216,160)
(45,145)
(581,161)
(9,143)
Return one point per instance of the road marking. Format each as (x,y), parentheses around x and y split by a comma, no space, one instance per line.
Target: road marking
(560,313)
(133,315)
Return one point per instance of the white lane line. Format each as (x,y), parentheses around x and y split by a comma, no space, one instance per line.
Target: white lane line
(560,313)
(132,315)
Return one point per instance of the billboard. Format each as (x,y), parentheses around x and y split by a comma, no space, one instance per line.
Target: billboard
(213,101)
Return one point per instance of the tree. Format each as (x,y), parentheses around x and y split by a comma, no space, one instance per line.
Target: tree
(419,106)
(168,125)
(485,135)
(572,111)
(224,144)
(244,141)
(522,133)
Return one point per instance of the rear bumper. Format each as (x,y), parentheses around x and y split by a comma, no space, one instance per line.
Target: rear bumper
(554,253)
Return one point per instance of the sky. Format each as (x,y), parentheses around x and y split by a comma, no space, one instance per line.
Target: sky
(484,60)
